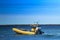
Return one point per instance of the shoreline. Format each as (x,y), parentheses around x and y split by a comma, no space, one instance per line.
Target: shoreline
(26,24)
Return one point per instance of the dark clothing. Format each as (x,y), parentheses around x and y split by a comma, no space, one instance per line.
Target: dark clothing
(39,31)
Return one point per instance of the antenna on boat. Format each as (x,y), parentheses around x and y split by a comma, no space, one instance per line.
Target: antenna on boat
(35,24)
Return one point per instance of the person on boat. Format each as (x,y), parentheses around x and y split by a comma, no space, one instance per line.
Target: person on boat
(37,30)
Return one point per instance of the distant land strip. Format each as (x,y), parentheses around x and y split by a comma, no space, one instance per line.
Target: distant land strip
(27,24)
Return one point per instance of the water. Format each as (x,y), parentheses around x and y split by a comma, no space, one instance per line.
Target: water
(51,33)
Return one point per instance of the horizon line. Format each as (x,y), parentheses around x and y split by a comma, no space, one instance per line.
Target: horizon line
(29,24)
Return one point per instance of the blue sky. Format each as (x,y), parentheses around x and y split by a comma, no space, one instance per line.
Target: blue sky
(30,11)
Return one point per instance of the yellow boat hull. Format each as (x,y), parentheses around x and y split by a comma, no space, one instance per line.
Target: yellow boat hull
(23,32)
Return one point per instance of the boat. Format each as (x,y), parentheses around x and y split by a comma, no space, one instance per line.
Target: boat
(34,30)
(20,31)
(26,32)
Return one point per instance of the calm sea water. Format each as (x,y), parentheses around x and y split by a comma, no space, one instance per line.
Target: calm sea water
(51,33)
